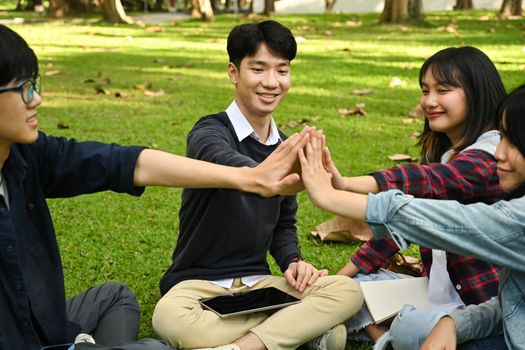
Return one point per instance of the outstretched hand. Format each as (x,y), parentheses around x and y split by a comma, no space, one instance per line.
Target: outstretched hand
(301,274)
(279,172)
(337,180)
(316,179)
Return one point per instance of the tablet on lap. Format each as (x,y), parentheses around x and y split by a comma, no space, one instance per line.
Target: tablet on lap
(257,300)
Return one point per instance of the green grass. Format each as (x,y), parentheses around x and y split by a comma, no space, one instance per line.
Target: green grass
(110,236)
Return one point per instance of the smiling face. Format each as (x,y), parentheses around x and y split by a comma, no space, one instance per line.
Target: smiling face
(511,163)
(18,123)
(445,106)
(261,83)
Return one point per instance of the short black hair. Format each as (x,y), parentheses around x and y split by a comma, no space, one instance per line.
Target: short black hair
(469,68)
(512,109)
(244,40)
(17,60)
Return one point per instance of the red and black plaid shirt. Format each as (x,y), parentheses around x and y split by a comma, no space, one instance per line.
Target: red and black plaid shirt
(470,177)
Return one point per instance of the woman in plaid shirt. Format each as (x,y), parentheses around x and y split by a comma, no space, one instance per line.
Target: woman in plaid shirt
(494,233)
(461,90)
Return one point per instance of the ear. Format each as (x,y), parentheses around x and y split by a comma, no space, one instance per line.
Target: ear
(233,73)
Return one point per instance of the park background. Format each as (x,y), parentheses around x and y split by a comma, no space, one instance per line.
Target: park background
(147,84)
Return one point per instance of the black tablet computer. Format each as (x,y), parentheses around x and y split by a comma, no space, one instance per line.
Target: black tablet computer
(247,302)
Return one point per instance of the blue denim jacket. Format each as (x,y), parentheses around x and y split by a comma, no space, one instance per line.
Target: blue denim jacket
(495,233)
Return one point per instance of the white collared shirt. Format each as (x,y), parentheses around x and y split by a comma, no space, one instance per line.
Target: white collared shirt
(243,129)
(3,190)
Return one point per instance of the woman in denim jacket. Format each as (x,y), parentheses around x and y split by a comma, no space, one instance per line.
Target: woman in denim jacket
(495,233)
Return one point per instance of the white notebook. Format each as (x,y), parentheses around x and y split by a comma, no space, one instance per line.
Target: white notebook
(385,299)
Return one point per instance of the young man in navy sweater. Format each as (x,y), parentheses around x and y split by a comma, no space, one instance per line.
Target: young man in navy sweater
(225,235)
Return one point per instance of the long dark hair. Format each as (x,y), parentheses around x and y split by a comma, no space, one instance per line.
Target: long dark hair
(17,60)
(468,68)
(512,109)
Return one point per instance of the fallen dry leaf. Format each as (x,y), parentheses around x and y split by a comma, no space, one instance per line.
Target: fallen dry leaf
(336,25)
(397,82)
(328,33)
(451,28)
(408,121)
(295,123)
(52,73)
(101,90)
(155,30)
(154,93)
(104,81)
(358,110)
(147,85)
(398,157)
(353,24)
(121,94)
(342,229)
(361,92)
(62,125)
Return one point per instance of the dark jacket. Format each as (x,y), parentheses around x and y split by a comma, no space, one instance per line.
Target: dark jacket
(32,297)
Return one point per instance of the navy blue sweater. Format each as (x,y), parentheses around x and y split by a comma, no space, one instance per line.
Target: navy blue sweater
(227,233)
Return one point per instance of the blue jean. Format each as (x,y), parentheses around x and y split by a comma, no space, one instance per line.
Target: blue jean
(411,327)
(496,342)
(355,326)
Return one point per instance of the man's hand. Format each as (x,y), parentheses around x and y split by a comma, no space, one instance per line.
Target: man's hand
(442,336)
(301,274)
(278,173)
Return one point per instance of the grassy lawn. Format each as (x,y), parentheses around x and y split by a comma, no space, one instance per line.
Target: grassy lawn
(110,236)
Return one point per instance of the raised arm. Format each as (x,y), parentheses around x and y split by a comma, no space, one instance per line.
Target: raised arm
(271,177)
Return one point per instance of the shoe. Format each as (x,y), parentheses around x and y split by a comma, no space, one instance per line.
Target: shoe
(333,339)
(84,338)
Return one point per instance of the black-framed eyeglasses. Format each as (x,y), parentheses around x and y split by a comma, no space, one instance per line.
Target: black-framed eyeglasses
(27,89)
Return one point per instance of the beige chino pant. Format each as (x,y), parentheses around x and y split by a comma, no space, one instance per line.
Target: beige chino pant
(181,320)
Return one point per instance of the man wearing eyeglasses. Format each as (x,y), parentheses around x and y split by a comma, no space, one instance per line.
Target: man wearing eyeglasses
(34,166)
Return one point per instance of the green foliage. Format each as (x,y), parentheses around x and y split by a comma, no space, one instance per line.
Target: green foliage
(110,236)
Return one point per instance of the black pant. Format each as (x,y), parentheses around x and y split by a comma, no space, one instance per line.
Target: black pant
(110,313)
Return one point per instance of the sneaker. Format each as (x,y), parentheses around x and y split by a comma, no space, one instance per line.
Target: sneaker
(84,338)
(333,339)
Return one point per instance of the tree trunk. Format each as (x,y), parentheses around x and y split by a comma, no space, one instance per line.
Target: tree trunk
(58,8)
(329,5)
(113,11)
(201,9)
(510,8)
(415,9)
(463,5)
(269,7)
(394,11)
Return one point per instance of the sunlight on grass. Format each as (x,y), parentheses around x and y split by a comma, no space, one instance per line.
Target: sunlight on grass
(109,236)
